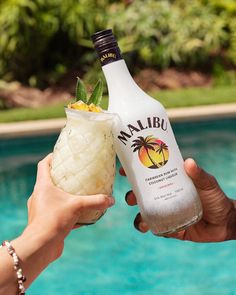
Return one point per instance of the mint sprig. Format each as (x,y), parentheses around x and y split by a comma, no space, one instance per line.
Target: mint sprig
(96,95)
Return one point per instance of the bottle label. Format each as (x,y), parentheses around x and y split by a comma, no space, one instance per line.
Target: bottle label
(109,56)
(148,151)
(157,164)
(152,151)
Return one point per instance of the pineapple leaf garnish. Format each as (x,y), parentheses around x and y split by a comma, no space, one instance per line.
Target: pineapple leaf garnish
(96,95)
(80,92)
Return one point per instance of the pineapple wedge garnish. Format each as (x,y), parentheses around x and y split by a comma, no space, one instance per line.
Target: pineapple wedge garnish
(82,106)
(83,103)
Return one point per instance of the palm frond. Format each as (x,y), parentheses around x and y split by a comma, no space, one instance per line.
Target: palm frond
(149,137)
(137,148)
(150,147)
(141,138)
(153,143)
(137,141)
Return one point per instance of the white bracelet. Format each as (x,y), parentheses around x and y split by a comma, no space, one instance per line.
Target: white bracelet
(20,278)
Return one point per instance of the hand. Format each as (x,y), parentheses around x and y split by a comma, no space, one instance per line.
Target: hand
(52,214)
(219,213)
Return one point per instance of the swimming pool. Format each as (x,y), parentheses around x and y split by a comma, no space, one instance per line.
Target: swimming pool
(112,258)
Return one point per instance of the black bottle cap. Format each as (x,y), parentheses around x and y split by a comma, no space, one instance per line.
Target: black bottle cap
(106,46)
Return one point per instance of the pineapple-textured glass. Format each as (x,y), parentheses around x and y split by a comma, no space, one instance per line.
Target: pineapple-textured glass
(83,161)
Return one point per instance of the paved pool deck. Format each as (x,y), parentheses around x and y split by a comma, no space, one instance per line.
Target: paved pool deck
(52,126)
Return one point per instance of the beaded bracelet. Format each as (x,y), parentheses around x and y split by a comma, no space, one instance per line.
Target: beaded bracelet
(20,278)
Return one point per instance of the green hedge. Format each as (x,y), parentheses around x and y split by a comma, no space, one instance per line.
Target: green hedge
(40,40)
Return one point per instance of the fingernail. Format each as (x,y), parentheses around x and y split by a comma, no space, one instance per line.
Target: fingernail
(142,226)
(111,201)
(137,221)
(126,196)
(194,163)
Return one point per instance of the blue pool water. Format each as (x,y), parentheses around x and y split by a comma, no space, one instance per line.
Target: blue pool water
(111,257)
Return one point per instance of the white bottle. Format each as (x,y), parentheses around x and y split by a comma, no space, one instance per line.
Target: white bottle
(146,147)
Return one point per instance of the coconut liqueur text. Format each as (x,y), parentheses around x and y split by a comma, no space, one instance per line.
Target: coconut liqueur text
(146,147)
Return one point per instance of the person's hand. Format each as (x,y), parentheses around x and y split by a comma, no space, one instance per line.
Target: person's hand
(55,212)
(219,213)
(52,214)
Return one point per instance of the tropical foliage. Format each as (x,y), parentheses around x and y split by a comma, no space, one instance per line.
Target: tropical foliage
(40,40)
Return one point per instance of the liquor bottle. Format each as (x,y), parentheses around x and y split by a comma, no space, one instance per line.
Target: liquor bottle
(146,147)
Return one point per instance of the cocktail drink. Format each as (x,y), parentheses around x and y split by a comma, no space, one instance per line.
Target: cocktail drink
(83,161)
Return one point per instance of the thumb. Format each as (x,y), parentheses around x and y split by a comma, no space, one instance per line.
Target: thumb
(43,172)
(96,202)
(201,179)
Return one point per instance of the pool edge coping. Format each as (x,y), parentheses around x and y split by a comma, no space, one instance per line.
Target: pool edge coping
(52,126)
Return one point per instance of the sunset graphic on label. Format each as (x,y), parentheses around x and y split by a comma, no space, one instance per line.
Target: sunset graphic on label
(153,153)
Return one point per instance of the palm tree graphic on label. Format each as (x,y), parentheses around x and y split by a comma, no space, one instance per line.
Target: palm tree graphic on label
(153,153)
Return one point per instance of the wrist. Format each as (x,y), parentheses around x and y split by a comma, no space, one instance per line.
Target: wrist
(41,241)
(36,250)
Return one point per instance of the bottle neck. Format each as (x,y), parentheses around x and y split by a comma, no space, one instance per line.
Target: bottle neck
(123,91)
(125,96)
(118,76)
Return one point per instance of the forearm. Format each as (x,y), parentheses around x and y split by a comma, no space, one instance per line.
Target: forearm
(35,253)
